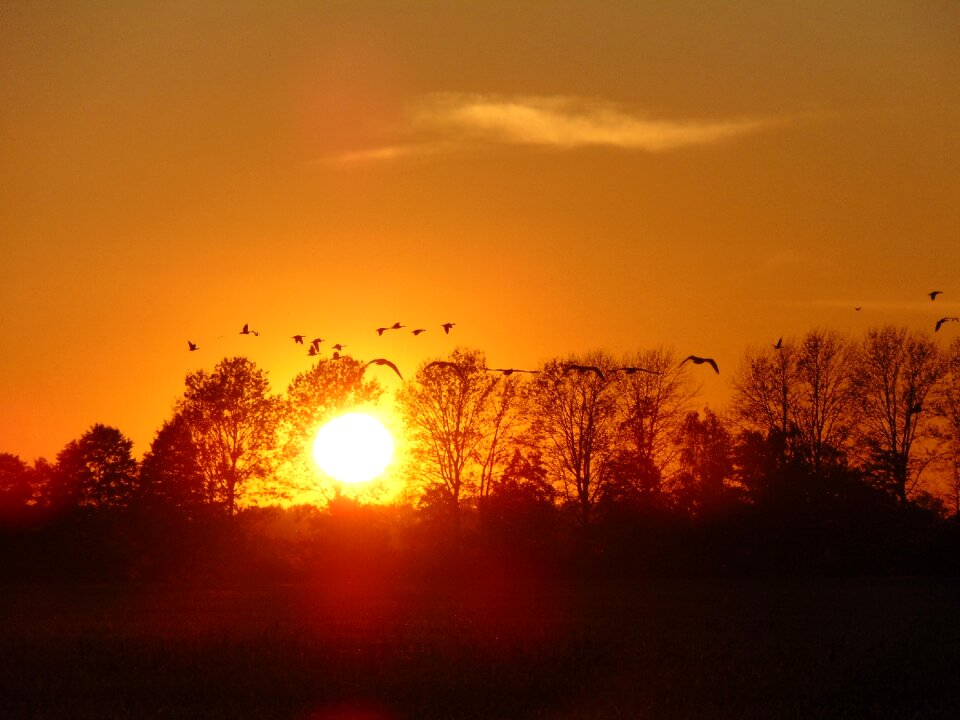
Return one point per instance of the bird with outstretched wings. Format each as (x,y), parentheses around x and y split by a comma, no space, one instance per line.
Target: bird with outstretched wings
(385,362)
(943,320)
(633,370)
(510,371)
(696,360)
(446,364)
(584,369)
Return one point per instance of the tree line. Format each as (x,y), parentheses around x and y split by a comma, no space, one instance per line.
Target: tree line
(831,450)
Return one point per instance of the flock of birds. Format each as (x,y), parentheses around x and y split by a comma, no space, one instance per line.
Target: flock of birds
(939,324)
(314,350)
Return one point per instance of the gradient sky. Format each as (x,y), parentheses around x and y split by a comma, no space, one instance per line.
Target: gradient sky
(553,177)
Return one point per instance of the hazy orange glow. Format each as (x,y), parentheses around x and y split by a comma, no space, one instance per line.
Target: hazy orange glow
(353,448)
(551,180)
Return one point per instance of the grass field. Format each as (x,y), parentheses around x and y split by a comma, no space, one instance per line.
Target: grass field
(361,648)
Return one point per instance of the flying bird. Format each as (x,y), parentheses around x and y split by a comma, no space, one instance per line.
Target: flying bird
(933,294)
(700,360)
(510,371)
(446,363)
(247,331)
(943,320)
(315,343)
(312,351)
(396,326)
(632,370)
(446,327)
(298,339)
(384,361)
(779,345)
(418,331)
(381,331)
(858,308)
(336,355)
(338,347)
(583,369)
(192,345)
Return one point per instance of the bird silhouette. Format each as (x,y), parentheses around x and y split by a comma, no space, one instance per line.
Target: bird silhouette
(338,347)
(933,294)
(583,369)
(312,352)
(247,331)
(418,331)
(446,327)
(315,343)
(336,355)
(447,364)
(858,308)
(298,339)
(381,331)
(384,361)
(779,345)
(943,320)
(192,345)
(396,326)
(700,360)
(632,370)
(510,371)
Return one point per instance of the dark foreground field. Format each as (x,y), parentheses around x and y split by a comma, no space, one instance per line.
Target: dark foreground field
(491,648)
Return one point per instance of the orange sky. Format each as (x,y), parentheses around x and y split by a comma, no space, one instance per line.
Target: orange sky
(555,178)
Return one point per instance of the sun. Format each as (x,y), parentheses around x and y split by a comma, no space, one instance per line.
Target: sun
(353,448)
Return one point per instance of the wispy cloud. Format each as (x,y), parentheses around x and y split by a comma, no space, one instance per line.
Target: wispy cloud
(443,121)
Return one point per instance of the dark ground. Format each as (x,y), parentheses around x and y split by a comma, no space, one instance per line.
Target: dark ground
(485,648)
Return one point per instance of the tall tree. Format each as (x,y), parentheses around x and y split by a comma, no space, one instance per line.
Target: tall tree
(765,392)
(99,469)
(313,397)
(652,407)
(707,461)
(233,420)
(896,373)
(17,488)
(824,414)
(170,475)
(951,431)
(456,412)
(800,397)
(576,418)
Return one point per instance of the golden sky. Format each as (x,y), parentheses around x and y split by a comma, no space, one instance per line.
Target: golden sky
(553,177)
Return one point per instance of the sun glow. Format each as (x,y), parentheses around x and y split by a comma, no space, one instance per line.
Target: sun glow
(353,448)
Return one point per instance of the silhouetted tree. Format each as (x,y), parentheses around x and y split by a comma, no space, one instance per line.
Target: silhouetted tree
(456,415)
(232,419)
(652,408)
(18,489)
(576,419)
(801,397)
(520,509)
(825,412)
(706,463)
(313,397)
(951,432)
(895,375)
(99,470)
(170,474)
(765,391)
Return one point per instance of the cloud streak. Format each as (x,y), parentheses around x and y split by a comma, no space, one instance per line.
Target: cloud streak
(442,121)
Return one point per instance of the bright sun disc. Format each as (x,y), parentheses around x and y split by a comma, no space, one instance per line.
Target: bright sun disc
(353,448)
